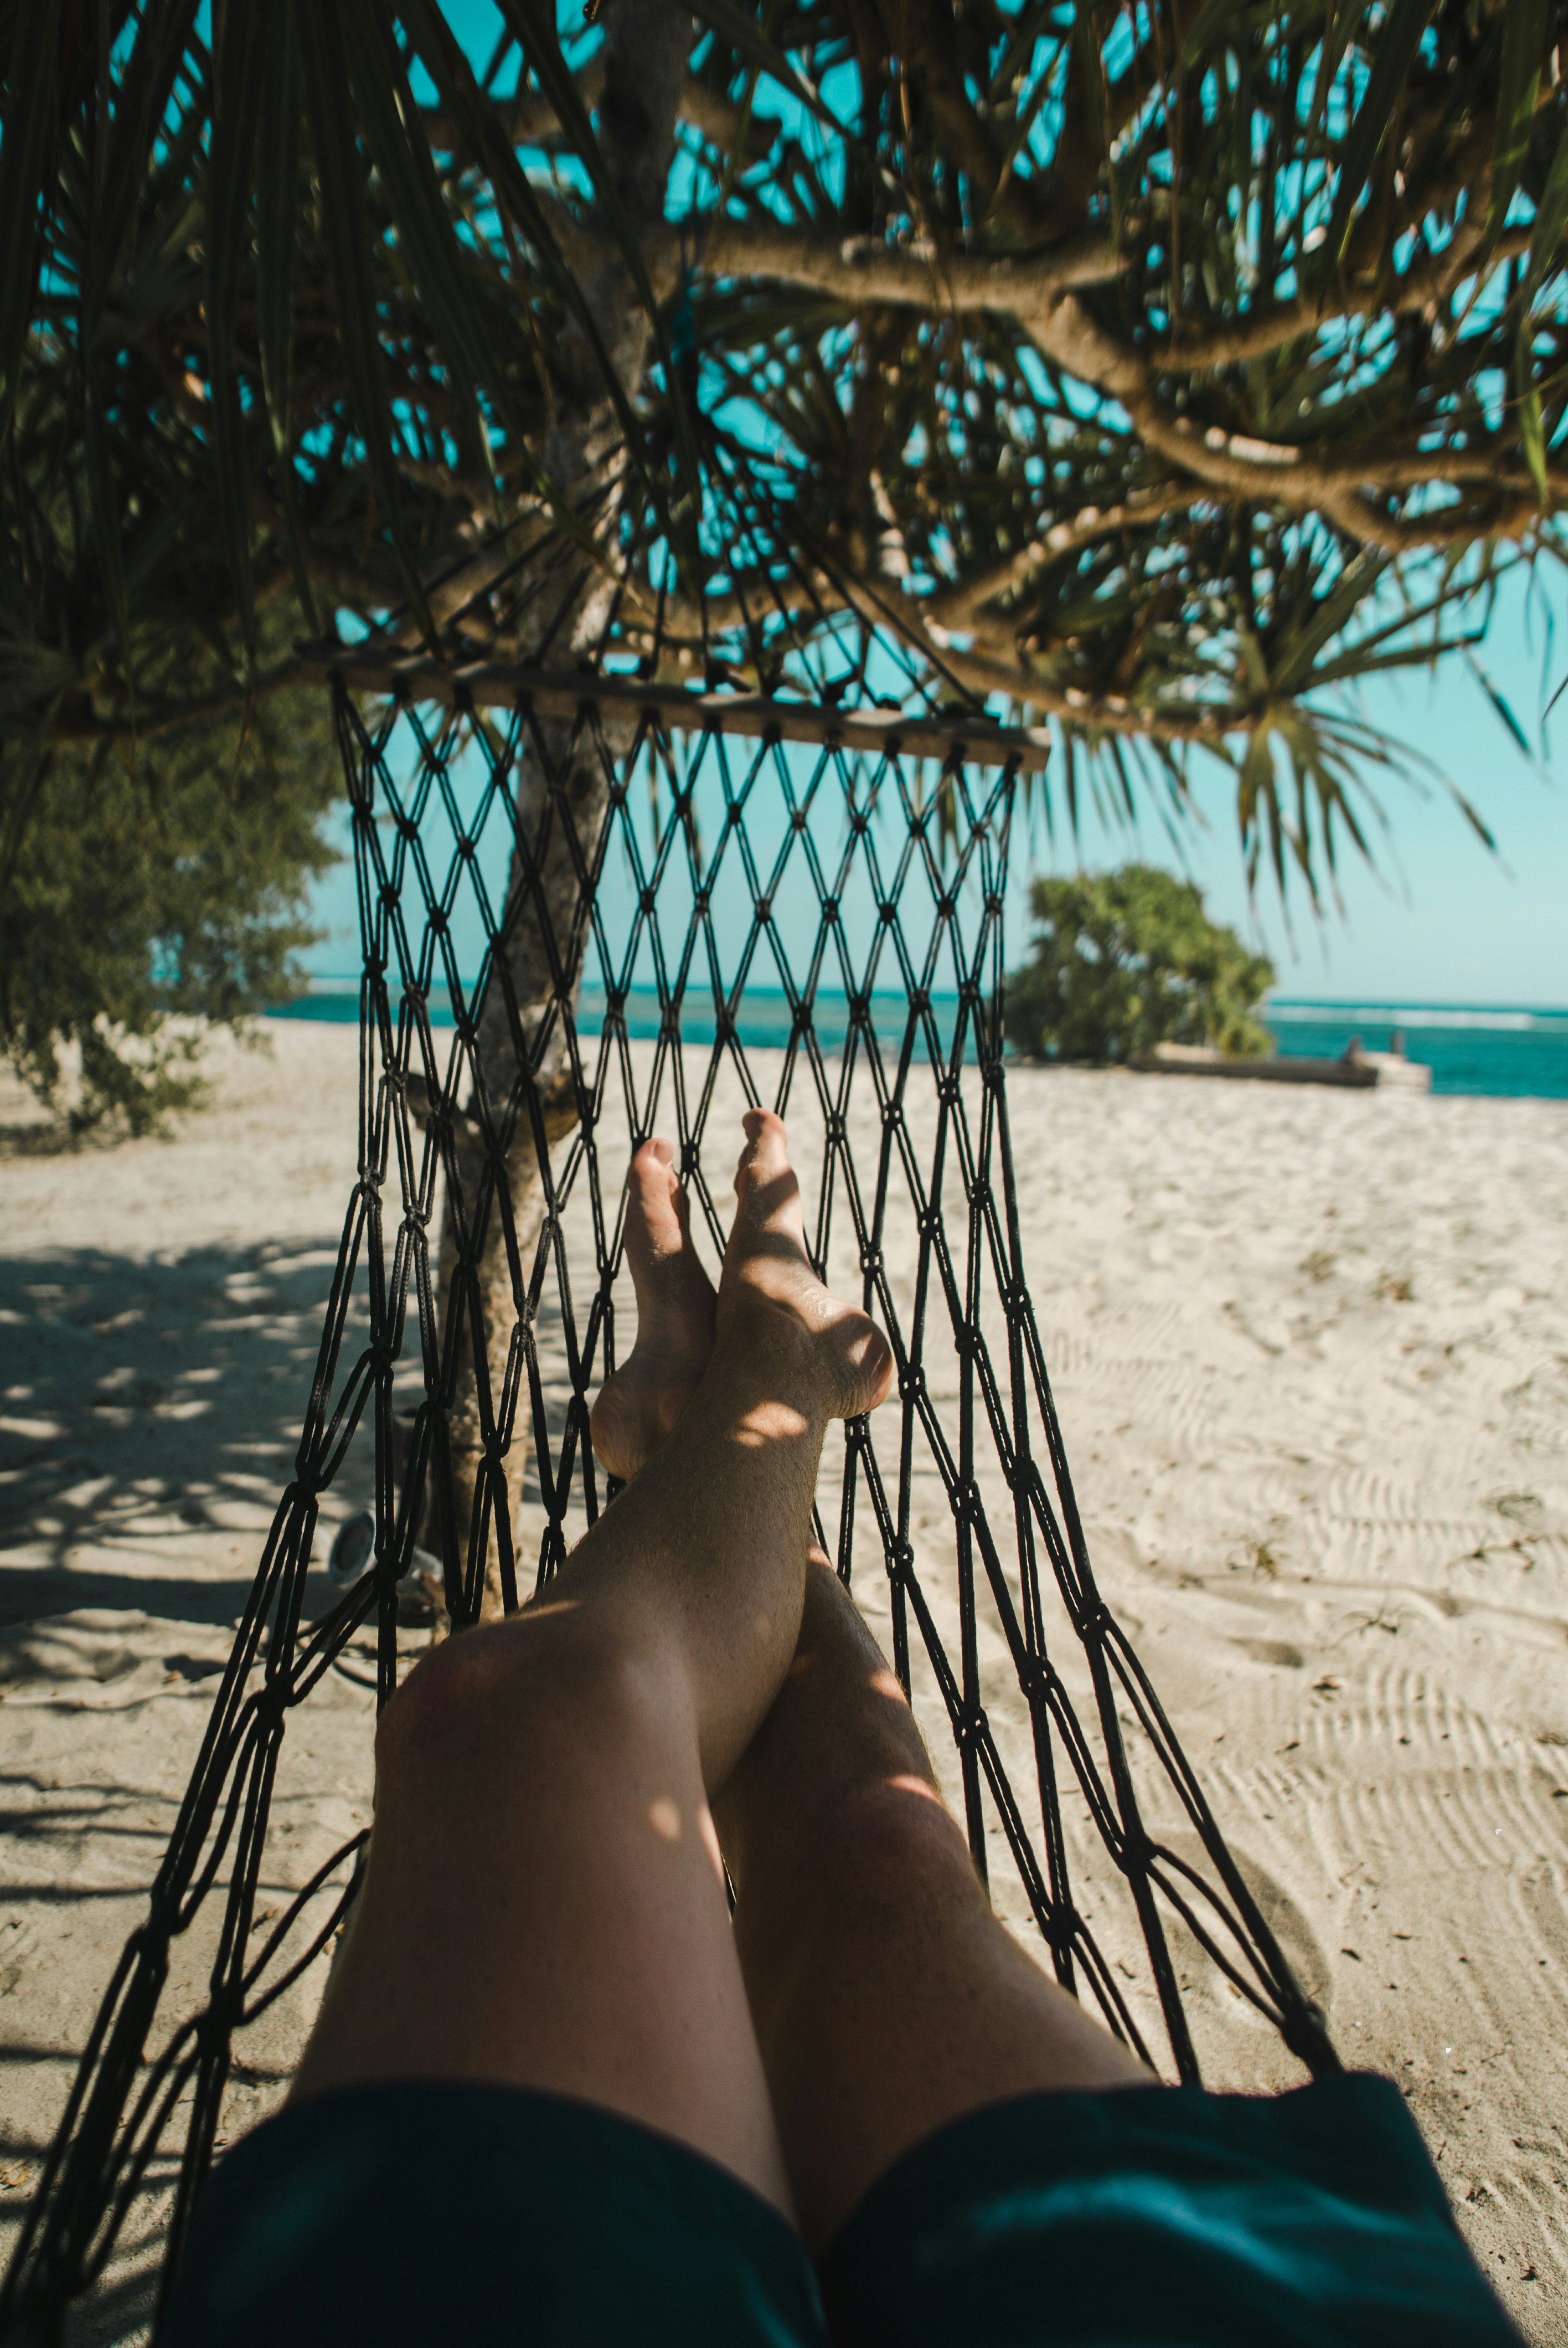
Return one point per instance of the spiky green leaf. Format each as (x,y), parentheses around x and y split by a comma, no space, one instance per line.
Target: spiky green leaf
(1550,221)
(1524,23)
(239,64)
(741,31)
(345,231)
(1392,57)
(24,191)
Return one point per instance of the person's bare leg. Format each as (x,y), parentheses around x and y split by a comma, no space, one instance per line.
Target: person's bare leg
(544,1905)
(887,1996)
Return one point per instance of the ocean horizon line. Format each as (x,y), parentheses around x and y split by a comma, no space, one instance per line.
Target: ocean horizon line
(1505,1018)
(1544,1016)
(1481,1048)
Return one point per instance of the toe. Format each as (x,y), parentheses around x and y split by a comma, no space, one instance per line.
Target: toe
(764,1176)
(653,1161)
(766,1152)
(770,1215)
(877,1368)
(656,1198)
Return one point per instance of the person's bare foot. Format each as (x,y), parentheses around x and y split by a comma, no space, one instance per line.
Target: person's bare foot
(637,1406)
(768,1294)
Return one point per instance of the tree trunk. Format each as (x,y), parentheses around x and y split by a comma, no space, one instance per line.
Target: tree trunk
(647,44)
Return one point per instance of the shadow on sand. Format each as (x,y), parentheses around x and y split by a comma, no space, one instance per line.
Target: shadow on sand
(149,1419)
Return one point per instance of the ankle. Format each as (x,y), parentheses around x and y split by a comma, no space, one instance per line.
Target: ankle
(763,1350)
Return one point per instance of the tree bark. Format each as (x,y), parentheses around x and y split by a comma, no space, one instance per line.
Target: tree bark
(524,1097)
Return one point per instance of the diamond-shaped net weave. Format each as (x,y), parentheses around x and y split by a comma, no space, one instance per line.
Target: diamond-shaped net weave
(577,931)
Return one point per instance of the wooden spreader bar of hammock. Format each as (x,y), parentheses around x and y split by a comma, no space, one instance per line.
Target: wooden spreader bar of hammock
(949,734)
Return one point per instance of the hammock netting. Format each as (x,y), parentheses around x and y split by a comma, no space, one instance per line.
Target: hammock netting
(582,902)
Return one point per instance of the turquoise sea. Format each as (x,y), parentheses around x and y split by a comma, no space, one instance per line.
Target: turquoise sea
(1503,1052)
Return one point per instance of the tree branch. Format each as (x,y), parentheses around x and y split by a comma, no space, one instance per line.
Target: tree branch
(1263,332)
(953,606)
(1039,293)
(529,120)
(855,270)
(1105,712)
(151,717)
(1110,713)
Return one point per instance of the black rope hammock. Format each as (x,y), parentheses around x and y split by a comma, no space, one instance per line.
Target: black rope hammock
(846,871)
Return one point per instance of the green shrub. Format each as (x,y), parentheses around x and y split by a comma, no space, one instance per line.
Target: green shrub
(1124,961)
(146,887)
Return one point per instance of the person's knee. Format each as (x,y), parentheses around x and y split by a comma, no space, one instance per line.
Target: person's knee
(545,1678)
(885,1846)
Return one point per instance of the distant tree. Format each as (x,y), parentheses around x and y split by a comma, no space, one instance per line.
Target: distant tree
(140,881)
(1124,961)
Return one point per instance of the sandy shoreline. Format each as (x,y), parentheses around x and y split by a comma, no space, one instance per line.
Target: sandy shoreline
(1311,1355)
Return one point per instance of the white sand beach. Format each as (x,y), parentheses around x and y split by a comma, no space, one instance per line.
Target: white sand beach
(1310,1352)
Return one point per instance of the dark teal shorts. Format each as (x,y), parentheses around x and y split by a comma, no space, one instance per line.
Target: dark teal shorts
(428,2214)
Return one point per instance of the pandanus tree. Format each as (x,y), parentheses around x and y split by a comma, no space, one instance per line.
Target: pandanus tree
(1156,372)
